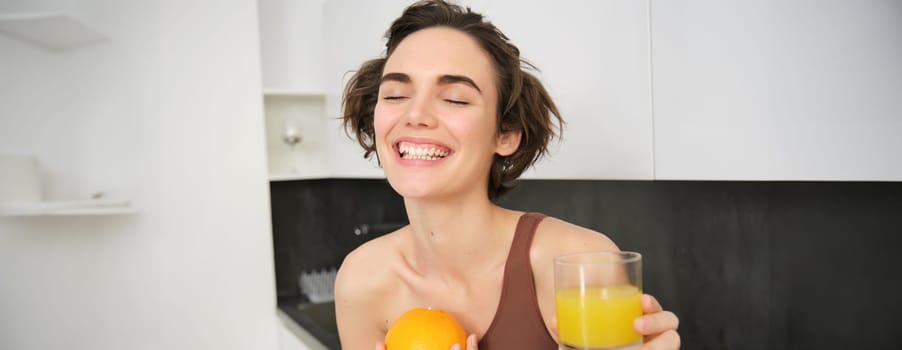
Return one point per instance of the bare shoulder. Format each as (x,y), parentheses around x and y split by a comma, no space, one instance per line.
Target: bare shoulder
(558,237)
(365,279)
(368,270)
(363,265)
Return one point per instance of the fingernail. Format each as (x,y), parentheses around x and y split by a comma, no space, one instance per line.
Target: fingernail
(455,347)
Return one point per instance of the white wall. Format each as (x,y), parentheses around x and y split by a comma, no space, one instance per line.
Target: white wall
(166,112)
(805,90)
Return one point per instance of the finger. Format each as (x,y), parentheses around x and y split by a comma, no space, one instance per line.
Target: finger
(669,340)
(472,344)
(456,346)
(380,346)
(650,305)
(655,323)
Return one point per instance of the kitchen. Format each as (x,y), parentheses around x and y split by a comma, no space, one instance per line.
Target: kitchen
(753,146)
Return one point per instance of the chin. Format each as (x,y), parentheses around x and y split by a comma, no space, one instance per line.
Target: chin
(411,188)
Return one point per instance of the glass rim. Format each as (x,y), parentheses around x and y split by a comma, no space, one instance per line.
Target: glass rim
(627,257)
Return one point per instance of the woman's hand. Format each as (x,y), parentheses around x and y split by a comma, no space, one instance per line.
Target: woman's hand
(472,343)
(659,327)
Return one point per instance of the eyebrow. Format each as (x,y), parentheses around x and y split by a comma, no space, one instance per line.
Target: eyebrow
(399,77)
(443,80)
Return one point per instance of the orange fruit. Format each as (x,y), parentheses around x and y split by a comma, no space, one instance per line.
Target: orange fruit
(425,329)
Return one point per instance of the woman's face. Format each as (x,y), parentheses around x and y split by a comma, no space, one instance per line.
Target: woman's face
(435,117)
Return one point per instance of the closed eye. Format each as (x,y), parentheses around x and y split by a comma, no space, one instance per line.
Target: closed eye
(393,98)
(457,102)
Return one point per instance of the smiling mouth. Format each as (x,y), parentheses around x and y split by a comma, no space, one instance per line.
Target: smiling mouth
(415,151)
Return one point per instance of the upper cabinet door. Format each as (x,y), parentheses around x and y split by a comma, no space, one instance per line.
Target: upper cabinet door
(776,90)
(291,46)
(593,57)
(594,61)
(354,33)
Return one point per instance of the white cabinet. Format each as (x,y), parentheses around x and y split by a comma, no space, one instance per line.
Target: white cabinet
(291,46)
(303,73)
(770,90)
(690,89)
(593,57)
(594,60)
(291,60)
(353,34)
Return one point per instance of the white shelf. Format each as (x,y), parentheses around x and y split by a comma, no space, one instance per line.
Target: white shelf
(69,208)
(294,93)
(54,31)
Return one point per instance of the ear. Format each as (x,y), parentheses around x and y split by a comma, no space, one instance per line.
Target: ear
(508,142)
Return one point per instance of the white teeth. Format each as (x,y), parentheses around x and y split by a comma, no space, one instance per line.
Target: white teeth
(410,151)
(420,157)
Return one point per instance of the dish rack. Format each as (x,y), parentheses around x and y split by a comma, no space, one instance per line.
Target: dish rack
(318,285)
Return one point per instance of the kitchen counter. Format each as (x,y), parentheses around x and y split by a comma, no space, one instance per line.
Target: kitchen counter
(313,324)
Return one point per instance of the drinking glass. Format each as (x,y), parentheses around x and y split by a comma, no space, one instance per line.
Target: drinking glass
(598,297)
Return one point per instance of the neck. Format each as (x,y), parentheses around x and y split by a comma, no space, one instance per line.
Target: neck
(459,237)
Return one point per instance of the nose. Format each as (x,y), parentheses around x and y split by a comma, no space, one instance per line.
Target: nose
(420,115)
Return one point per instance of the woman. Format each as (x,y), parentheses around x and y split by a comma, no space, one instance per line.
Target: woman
(454,120)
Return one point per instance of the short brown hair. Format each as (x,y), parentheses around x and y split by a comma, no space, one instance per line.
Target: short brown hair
(523,103)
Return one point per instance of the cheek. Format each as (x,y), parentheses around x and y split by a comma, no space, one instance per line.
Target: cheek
(384,120)
(479,130)
(381,120)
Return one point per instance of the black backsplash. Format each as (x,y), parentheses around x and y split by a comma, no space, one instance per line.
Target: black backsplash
(313,222)
(746,265)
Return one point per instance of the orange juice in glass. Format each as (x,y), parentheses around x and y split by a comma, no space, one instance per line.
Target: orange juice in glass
(598,297)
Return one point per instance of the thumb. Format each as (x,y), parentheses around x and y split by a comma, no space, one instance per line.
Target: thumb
(472,344)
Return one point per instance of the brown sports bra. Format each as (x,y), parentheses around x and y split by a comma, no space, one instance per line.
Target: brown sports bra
(518,324)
